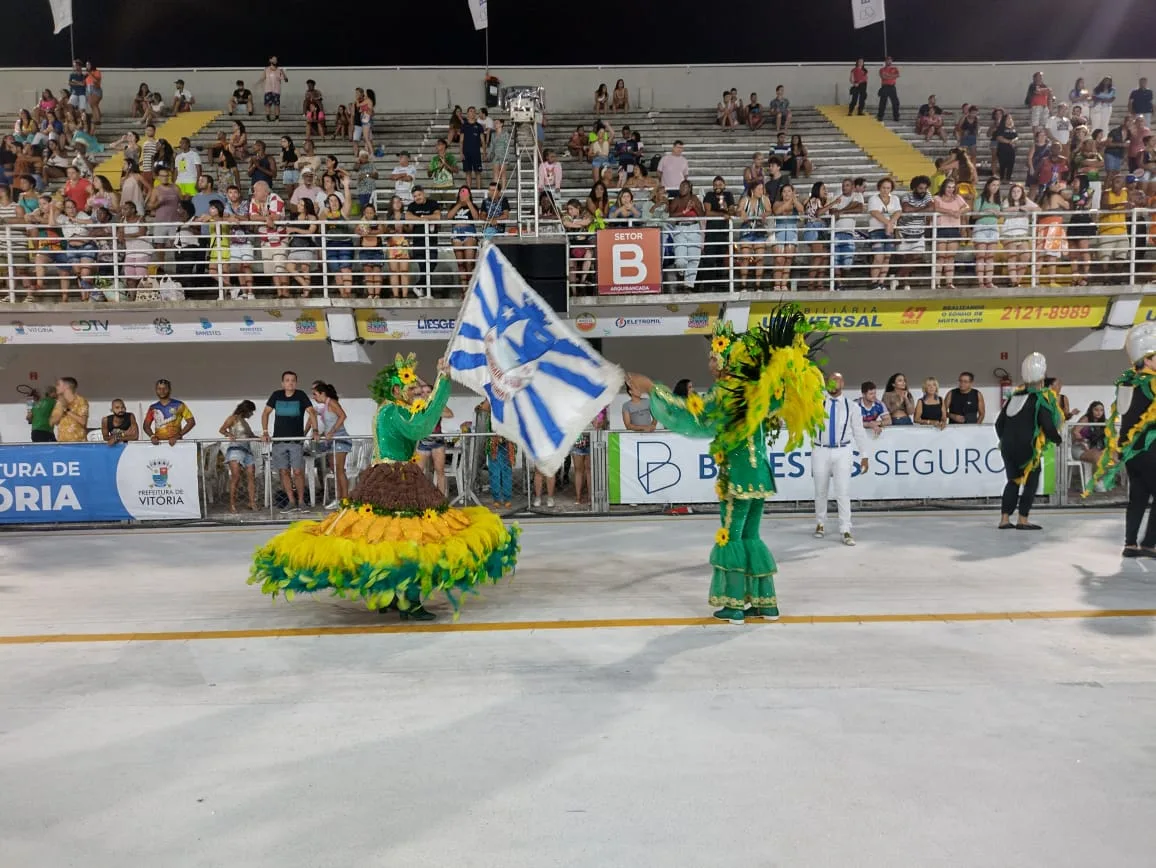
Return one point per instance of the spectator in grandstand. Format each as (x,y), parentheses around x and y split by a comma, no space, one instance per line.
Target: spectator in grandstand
(271,80)
(620,102)
(1059,128)
(1090,438)
(364,105)
(754,113)
(77,92)
(183,99)
(911,229)
(1005,141)
(636,415)
(686,211)
(576,223)
(577,144)
(1052,242)
(290,174)
(312,94)
(421,212)
(1039,100)
(847,203)
(929,121)
(885,211)
(754,208)
(339,239)
(1115,242)
(342,122)
(599,150)
(875,415)
(238,143)
(779,109)
(985,233)
(964,405)
(404,176)
(624,208)
(1103,96)
(1080,98)
(139,102)
(188,255)
(858,80)
(601,100)
(1081,229)
(70,415)
(754,173)
(464,215)
(94,91)
(797,159)
(454,128)
(929,408)
(79,248)
(1140,101)
(550,174)
(500,142)
(673,169)
(719,206)
(598,205)
(398,245)
(816,235)
(442,166)
(787,209)
(781,149)
(1053,166)
(370,255)
(967,129)
(77,189)
(262,165)
(727,112)
(242,96)
(888,76)
(1115,149)
(307,189)
(1041,147)
(898,400)
(949,209)
(188,168)
(1016,232)
(168,419)
(1079,121)
(366,173)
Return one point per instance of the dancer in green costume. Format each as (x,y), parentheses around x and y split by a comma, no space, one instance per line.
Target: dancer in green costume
(765,381)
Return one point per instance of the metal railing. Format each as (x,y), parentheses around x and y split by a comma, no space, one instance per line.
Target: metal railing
(66,260)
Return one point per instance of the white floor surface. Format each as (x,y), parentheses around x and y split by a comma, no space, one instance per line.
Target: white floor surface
(1016,741)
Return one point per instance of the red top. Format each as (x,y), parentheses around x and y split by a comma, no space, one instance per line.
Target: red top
(889,74)
(858,75)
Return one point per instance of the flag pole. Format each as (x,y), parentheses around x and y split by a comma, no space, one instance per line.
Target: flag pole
(885,52)
(487,48)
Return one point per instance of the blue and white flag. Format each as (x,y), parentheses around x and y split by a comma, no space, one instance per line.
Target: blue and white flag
(544,383)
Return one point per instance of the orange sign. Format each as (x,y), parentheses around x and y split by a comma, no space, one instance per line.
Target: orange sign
(629,261)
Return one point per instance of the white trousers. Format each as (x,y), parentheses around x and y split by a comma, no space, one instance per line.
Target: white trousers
(1101,117)
(828,464)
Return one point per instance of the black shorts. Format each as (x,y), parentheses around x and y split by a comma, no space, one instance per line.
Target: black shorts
(472,162)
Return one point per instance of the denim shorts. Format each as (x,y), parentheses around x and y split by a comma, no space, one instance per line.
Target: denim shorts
(430,444)
(371,254)
(291,176)
(787,235)
(601,162)
(985,234)
(340,445)
(241,455)
(844,249)
(881,242)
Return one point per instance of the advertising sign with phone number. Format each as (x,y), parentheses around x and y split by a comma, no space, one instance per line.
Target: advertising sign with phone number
(952,314)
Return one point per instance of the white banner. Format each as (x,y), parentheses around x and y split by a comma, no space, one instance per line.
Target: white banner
(479,11)
(61,14)
(867,12)
(143,327)
(906,463)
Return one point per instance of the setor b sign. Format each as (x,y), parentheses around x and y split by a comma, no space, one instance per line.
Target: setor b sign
(629,261)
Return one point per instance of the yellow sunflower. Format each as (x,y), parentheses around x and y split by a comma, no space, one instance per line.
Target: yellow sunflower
(406,376)
(719,457)
(415,459)
(694,403)
(429,515)
(366,509)
(722,537)
(720,343)
(417,406)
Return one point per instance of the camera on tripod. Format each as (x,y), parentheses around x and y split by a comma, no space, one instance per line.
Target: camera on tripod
(523,103)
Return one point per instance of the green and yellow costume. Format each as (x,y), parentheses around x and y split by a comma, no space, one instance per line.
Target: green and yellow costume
(767,381)
(395,541)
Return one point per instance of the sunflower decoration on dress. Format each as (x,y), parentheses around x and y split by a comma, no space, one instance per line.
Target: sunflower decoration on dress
(395,541)
(767,381)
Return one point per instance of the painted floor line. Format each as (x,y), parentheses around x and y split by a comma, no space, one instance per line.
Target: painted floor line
(521,626)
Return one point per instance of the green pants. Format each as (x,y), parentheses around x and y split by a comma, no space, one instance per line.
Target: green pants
(744,569)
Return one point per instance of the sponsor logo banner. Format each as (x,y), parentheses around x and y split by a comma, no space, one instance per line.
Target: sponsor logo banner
(906,463)
(384,325)
(952,314)
(175,326)
(68,482)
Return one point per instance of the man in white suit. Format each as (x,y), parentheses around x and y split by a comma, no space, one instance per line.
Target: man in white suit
(832,454)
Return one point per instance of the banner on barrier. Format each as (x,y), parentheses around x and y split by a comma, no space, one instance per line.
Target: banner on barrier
(171,327)
(65,482)
(906,463)
(951,314)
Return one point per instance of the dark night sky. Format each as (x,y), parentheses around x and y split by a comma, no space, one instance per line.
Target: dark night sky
(128,33)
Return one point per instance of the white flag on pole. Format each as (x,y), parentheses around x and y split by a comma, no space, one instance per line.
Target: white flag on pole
(867,12)
(481,14)
(544,383)
(61,14)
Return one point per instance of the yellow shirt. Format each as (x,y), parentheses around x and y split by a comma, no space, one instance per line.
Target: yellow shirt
(72,426)
(1114,222)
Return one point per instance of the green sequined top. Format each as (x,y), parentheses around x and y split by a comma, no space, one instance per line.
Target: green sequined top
(397,430)
(745,468)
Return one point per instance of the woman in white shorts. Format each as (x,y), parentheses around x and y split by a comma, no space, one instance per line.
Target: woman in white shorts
(275,254)
(303,238)
(1016,233)
(239,454)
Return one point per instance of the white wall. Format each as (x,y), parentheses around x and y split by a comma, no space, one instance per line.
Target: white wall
(214,380)
(571,88)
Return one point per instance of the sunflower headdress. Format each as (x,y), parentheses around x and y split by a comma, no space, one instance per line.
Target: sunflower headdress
(402,373)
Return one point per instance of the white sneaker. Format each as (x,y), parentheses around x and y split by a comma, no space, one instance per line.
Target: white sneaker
(333,504)
(537,503)
(550,502)
(848,540)
(818,531)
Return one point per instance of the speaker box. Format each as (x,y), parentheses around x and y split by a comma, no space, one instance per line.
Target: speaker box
(543,263)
